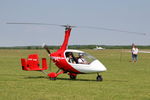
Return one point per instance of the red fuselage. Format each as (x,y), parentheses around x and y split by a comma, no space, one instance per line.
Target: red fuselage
(58,57)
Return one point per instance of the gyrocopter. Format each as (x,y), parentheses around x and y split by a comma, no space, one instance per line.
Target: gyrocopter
(72,62)
(65,66)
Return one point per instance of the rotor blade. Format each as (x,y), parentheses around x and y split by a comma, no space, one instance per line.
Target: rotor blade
(111,29)
(68,26)
(33,23)
(88,27)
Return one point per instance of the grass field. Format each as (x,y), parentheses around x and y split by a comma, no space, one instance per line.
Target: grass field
(123,80)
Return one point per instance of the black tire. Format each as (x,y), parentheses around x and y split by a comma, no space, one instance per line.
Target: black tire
(53,78)
(99,78)
(72,77)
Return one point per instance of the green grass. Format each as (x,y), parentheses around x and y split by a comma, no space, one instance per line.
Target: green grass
(123,80)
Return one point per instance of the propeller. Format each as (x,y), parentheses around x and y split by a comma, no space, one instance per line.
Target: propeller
(48,51)
(88,27)
(46,48)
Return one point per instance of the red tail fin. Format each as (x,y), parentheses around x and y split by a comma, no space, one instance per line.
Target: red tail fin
(24,64)
(32,63)
(44,64)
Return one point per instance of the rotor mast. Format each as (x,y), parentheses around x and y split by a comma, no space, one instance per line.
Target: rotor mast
(66,38)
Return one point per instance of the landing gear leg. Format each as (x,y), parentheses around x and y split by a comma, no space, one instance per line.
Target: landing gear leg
(54,75)
(99,77)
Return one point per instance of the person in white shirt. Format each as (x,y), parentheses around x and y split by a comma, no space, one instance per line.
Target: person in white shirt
(81,59)
(134,53)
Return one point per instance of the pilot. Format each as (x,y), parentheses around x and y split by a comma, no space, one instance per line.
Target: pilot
(81,59)
(70,58)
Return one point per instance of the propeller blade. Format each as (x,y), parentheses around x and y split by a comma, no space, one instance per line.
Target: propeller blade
(46,48)
(50,62)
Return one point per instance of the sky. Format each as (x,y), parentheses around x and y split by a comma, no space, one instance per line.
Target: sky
(128,15)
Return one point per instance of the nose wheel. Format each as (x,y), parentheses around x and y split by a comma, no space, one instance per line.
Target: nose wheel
(99,78)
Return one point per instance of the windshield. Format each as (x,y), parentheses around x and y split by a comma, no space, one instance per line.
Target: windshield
(76,56)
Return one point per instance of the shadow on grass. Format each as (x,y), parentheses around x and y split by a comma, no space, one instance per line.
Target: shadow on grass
(117,80)
(35,77)
(91,80)
(11,75)
(76,79)
(68,79)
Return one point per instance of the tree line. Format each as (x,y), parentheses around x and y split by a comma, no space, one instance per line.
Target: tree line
(78,47)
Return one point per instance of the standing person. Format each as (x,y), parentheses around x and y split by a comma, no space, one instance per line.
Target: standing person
(134,53)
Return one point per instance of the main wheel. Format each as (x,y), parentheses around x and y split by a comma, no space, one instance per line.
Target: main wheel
(99,78)
(72,77)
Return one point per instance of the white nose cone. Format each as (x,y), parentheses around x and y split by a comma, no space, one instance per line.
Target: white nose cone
(97,65)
